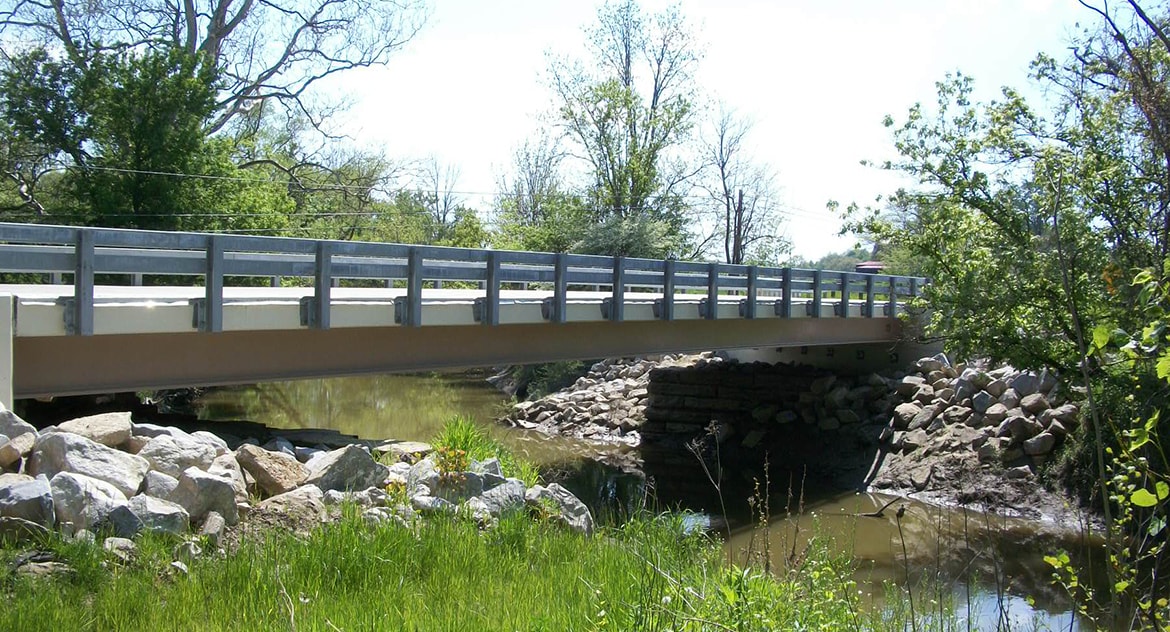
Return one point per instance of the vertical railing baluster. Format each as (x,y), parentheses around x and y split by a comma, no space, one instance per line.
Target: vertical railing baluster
(561,288)
(83,283)
(712,292)
(491,304)
(892,299)
(668,269)
(913,287)
(753,275)
(816,298)
(786,293)
(414,269)
(323,285)
(869,291)
(213,284)
(844,295)
(617,310)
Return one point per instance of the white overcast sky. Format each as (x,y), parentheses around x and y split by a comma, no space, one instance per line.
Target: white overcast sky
(816,77)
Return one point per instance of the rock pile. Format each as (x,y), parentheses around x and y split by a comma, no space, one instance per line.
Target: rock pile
(607,405)
(956,419)
(108,474)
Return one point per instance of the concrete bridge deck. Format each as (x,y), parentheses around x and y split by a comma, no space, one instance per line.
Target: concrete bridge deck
(86,338)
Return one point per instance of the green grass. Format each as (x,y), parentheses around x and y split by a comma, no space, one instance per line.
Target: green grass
(447,575)
(461,433)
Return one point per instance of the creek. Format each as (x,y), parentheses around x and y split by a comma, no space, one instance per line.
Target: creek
(989,566)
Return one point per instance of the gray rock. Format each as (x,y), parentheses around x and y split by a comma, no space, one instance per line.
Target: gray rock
(155,430)
(200,492)
(423,478)
(432,506)
(926,365)
(572,512)
(956,415)
(213,527)
(274,474)
(347,469)
(981,401)
(123,521)
(159,485)
(66,452)
(914,439)
(996,387)
(944,394)
(213,440)
(904,414)
(14,449)
(1010,399)
(172,455)
(398,473)
(225,466)
(1040,444)
(134,444)
(995,413)
(499,500)
(11,425)
(1058,429)
(1034,403)
(924,417)
(1067,415)
(304,454)
(459,487)
(1018,473)
(909,385)
(18,531)
(936,425)
(1019,428)
(122,548)
(27,499)
(1025,384)
(924,394)
(108,429)
(280,444)
(83,501)
(487,466)
(160,516)
(306,502)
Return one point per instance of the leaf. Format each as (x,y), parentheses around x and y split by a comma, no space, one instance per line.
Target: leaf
(1162,488)
(1143,498)
(1163,366)
(1120,587)
(1101,336)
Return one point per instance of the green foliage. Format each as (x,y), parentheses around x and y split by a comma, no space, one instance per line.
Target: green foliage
(462,440)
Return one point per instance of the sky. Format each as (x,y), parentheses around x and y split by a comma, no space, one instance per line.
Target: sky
(816,78)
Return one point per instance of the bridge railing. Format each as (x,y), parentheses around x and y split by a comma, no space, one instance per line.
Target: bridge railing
(87,252)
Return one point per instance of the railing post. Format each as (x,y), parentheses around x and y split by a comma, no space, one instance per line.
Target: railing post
(414,265)
(913,287)
(816,304)
(83,283)
(749,302)
(617,308)
(668,269)
(892,299)
(712,311)
(869,295)
(844,295)
(6,334)
(213,284)
(785,305)
(560,288)
(490,312)
(323,285)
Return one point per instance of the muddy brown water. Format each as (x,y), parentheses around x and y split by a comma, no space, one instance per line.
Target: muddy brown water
(988,566)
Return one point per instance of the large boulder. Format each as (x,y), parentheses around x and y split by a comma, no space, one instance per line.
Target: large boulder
(275,473)
(1040,444)
(225,466)
(571,511)
(200,492)
(346,469)
(172,455)
(499,500)
(84,501)
(160,516)
(57,452)
(108,429)
(158,484)
(1034,403)
(11,425)
(304,506)
(904,414)
(27,498)
(16,448)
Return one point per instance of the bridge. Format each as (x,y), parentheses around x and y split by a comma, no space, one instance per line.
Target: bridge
(91,310)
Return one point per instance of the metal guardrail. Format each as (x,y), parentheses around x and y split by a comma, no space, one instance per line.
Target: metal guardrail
(86,252)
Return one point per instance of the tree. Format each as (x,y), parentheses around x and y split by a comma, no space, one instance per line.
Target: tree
(627,116)
(743,194)
(261,50)
(534,210)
